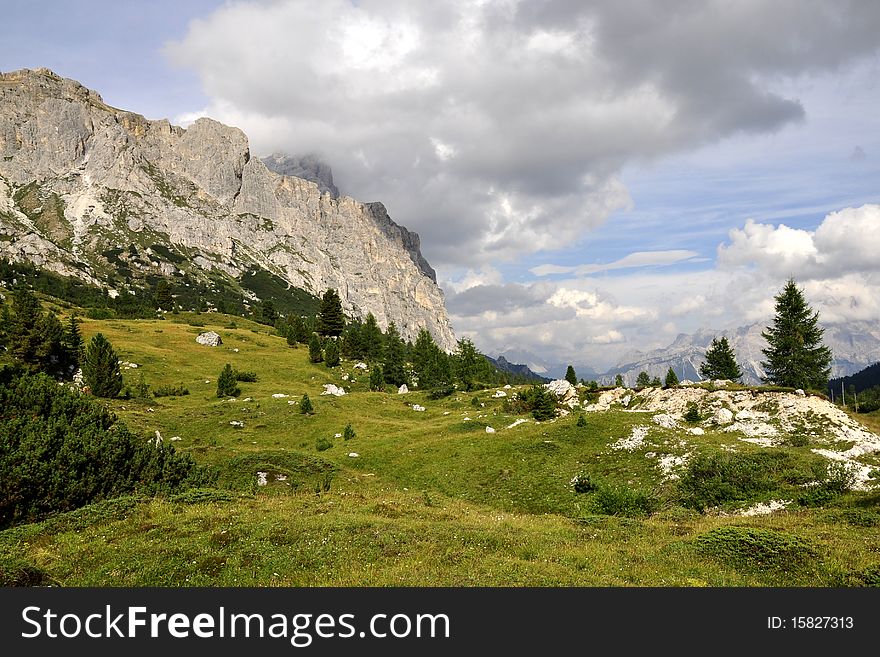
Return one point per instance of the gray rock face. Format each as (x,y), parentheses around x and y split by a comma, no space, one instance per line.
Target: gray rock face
(307,167)
(79,178)
(209,339)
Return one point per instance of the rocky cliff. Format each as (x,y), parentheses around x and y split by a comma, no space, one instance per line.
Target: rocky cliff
(85,187)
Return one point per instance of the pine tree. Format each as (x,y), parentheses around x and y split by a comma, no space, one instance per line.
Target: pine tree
(227,382)
(655,382)
(331,321)
(430,362)
(163,297)
(643,380)
(468,363)
(618,381)
(543,405)
(348,433)
(73,343)
(305,406)
(352,345)
(268,312)
(570,376)
(377,379)
(331,353)
(720,362)
(795,354)
(671,379)
(23,339)
(101,368)
(371,340)
(393,365)
(50,353)
(315,355)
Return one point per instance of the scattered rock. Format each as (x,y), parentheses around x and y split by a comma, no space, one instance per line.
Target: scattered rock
(562,389)
(665,420)
(361,366)
(632,442)
(516,423)
(507,387)
(209,339)
(330,389)
(490,430)
(280,395)
(353,455)
(696,431)
(337,435)
(416,407)
(262,478)
(237,424)
(402,390)
(800,393)
(722,416)
(174,439)
(158,440)
(499,394)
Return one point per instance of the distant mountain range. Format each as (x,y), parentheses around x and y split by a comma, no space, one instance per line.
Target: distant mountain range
(854,346)
(521,370)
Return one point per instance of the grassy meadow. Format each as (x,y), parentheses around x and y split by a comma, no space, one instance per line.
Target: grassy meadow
(418,498)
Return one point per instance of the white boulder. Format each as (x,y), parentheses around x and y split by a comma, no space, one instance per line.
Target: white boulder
(330,389)
(402,390)
(416,407)
(490,430)
(209,339)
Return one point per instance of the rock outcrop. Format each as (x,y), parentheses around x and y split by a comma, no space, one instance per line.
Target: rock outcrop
(80,180)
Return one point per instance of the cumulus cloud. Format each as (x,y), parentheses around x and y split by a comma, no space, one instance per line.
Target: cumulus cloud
(499,128)
(846,241)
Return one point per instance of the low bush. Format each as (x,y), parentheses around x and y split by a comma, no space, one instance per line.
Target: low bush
(622,500)
(692,413)
(716,479)
(582,483)
(440,392)
(246,377)
(323,444)
(171,391)
(753,548)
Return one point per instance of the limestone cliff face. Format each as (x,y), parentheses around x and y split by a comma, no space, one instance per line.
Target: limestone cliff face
(79,179)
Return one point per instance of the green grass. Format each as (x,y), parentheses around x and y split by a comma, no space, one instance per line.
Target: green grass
(430,499)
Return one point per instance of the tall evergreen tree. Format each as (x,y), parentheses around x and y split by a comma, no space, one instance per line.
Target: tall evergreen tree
(468,363)
(377,378)
(571,376)
(23,339)
(618,381)
(543,404)
(371,340)
(73,341)
(305,406)
(331,321)
(671,378)
(720,362)
(315,353)
(643,380)
(795,354)
(395,356)
(268,312)
(227,382)
(163,297)
(352,344)
(430,362)
(101,368)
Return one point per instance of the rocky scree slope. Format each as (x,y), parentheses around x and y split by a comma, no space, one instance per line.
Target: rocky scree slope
(112,198)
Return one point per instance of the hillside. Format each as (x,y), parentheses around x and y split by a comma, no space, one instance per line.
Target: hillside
(104,195)
(433,497)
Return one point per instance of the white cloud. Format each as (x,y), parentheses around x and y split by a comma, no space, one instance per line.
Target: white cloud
(637,259)
(500,128)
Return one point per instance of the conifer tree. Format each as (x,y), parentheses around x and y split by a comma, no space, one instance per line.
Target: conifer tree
(393,364)
(268,312)
(571,376)
(618,381)
(331,353)
(163,297)
(331,321)
(73,342)
(227,385)
(305,406)
(655,382)
(795,354)
(101,368)
(468,363)
(671,379)
(371,340)
(643,380)
(23,339)
(315,355)
(377,378)
(430,362)
(352,344)
(544,404)
(720,362)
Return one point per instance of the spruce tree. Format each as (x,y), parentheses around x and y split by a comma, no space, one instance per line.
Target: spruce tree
(655,382)
(268,312)
(570,376)
(305,406)
(331,321)
(430,362)
(352,345)
(543,405)
(643,380)
(22,338)
(795,354)
(101,368)
(671,379)
(618,381)
(371,340)
(73,343)
(315,355)
(720,362)
(377,379)
(393,364)
(331,353)
(163,297)
(468,363)
(227,382)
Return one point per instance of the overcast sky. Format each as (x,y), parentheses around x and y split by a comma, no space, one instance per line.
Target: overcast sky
(588,178)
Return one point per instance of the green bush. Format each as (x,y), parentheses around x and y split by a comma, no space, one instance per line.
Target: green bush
(692,413)
(16,572)
(171,391)
(582,483)
(582,421)
(621,500)
(837,479)
(305,406)
(226,382)
(440,392)
(62,450)
(753,548)
(715,479)
(246,377)
(348,433)
(323,444)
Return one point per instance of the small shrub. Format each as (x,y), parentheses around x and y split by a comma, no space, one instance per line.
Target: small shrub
(246,377)
(582,421)
(838,479)
(475,402)
(582,483)
(715,479)
(323,444)
(797,440)
(171,391)
(226,383)
(16,572)
(305,406)
(348,433)
(621,500)
(440,392)
(692,413)
(753,548)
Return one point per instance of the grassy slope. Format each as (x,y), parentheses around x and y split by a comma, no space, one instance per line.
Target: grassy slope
(432,499)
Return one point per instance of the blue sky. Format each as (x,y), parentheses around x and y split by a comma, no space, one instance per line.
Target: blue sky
(674,141)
